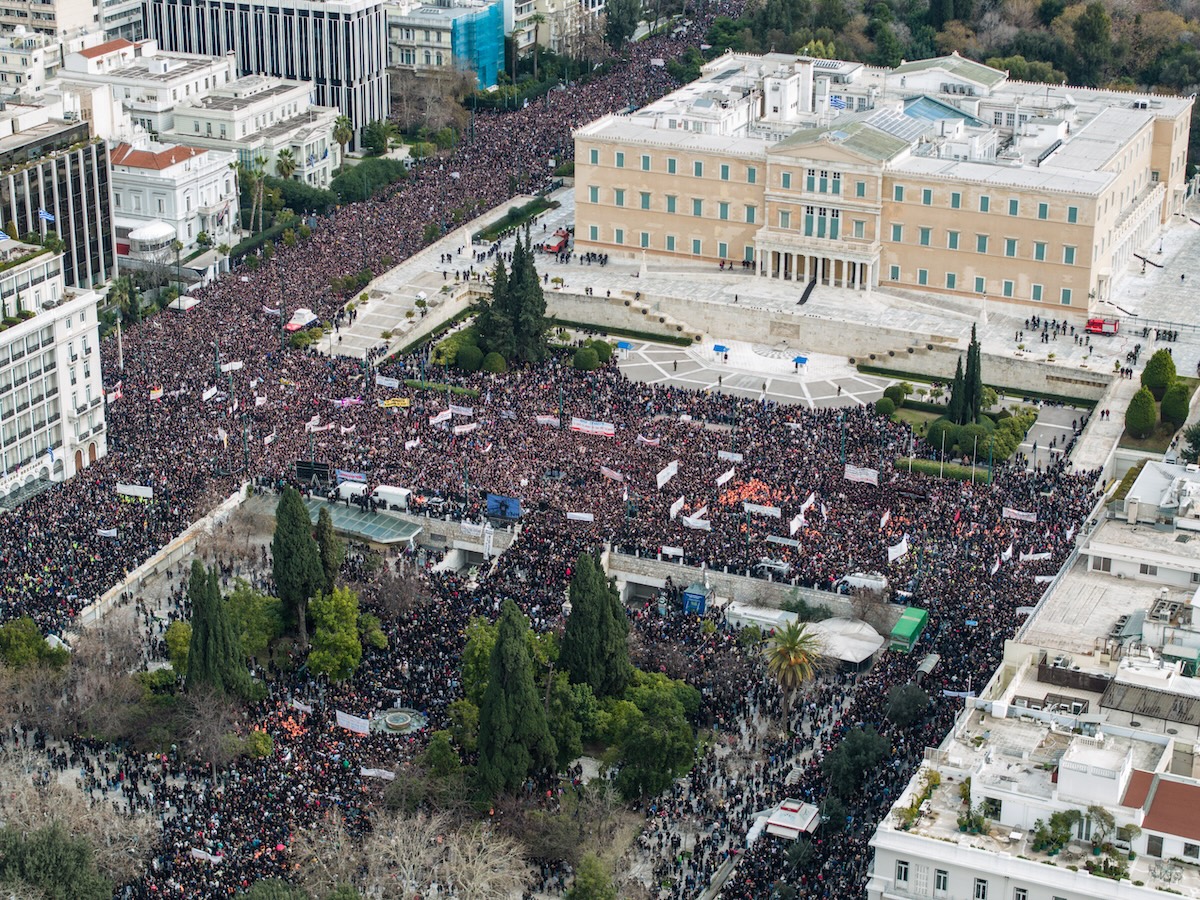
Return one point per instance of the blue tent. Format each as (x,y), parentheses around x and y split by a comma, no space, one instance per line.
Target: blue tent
(800,360)
(624,345)
(720,348)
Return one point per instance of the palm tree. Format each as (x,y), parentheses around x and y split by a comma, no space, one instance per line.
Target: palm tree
(537,19)
(343,133)
(794,657)
(259,172)
(285,164)
(224,249)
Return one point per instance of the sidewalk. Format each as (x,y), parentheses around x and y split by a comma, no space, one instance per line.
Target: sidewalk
(1101,435)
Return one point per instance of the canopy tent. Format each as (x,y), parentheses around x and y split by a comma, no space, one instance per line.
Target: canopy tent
(792,818)
(849,641)
(908,629)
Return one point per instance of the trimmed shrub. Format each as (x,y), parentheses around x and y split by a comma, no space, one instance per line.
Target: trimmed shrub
(1140,416)
(885,406)
(494,363)
(586,359)
(939,427)
(469,358)
(973,439)
(896,394)
(1159,373)
(1175,403)
(603,350)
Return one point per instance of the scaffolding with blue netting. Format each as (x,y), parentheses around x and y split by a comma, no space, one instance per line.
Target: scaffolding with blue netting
(478,39)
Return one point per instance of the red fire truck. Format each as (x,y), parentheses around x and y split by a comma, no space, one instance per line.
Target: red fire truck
(558,243)
(1103,326)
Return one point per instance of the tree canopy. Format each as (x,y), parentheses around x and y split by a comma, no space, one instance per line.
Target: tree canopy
(594,649)
(295,558)
(514,740)
(794,657)
(513,322)
(336,647)
(214,657)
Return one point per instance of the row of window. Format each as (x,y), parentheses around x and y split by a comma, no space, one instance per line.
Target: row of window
(671,243)
(724,170)
(671,204)
(1011,245)
(1037,292)
(985,203)
(941,882)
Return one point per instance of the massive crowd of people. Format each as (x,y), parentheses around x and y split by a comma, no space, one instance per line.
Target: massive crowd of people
(211,429)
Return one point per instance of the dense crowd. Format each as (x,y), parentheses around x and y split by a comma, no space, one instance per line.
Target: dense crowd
(212,429)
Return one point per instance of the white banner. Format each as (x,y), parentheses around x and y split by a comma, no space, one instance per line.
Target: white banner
(222,435)
(884,519)
(812,498)
(135,490)
(461,410)
(303,707)
(312,423)
(796,523)
(385,774)
(197,853)
(1007,554)
(672,551)
(465,429)
(894,553)
(676,507)
(649,442)
(208,394)
(415,442)
(729,455)
(443,416)
(385,382)
(995,566)
(1019,515)
(353,723)
(667,473)
(470,529)
(581,517)
(260,401)
(588,426)
(1034,557)
(489,536)
(725,477)
(773,511)
(346,429)
(611,473)
(231,366)
(697,523)
(106,532)
(859,473)
(269,439)
(1044,579)
(552,421)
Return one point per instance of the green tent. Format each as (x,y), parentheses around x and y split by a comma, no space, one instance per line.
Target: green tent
(908,629)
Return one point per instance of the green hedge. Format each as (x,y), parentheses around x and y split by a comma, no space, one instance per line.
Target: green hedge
(454,389)
(868,369)
(924,406)
(1126,484)
(516,215)
(625,332)
(252,243)
(948,470)
(430,338)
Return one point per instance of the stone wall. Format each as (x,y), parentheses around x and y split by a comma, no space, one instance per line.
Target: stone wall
(934,355)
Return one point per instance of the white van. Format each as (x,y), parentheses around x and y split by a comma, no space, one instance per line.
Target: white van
(392,497)
(349,489)
(870,581)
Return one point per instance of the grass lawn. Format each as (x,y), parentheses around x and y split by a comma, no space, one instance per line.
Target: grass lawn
(918,419)
(1158,442)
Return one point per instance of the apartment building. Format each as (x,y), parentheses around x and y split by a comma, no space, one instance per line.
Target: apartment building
(257,118)
(51,400)
(1093,718)
(338,45)
(145,84)
(468,34)
(30,59)
(52,18)
(936,176)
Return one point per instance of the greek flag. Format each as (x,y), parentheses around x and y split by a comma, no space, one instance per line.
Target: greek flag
(4,237)
(45,216)
(836,102)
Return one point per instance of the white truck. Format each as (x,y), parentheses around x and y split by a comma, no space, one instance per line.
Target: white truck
(395,498)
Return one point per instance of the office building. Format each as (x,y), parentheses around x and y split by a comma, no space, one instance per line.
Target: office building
(53,18)
(1093,718)
(257,119)
(338,45)
(468,34)
(938,176)
(54,177)
(51,399)
(123,19)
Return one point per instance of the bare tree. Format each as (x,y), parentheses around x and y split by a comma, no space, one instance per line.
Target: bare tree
(34,798)
(211,724)
(483,864)
(326,855)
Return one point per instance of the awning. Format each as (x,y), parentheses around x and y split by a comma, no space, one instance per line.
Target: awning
(720,348)
(793,818)
(624,345)
(800,360)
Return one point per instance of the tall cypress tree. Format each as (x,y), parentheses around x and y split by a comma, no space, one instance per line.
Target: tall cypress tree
(594,650)
(332,548)
(514,739)
(214,648)
(975,377)
(954,411)
(496,321)
(295,559)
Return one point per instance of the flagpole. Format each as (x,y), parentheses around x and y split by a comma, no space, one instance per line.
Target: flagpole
(942,464)
(120,348)
(974,450)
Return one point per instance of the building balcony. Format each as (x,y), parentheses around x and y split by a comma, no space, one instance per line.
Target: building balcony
(854,249)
